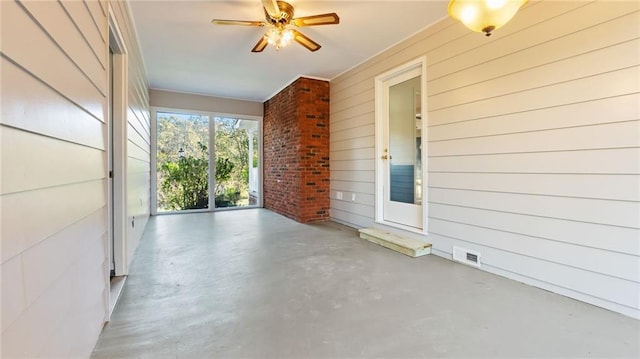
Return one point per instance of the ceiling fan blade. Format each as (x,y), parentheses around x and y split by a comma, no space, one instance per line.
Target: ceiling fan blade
(271,7)
(262,43)
(305,41)
(323,19)
(237,22)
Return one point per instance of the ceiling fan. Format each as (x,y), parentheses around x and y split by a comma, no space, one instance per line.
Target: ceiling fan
(281,26)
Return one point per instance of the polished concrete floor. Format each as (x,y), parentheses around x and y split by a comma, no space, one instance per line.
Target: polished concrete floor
(253,284)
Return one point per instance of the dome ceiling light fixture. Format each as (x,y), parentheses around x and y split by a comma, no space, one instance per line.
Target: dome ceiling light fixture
(484,15)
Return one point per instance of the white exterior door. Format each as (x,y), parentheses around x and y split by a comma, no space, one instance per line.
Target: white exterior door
(400,98)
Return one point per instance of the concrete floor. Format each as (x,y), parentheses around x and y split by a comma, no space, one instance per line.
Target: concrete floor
(241,284)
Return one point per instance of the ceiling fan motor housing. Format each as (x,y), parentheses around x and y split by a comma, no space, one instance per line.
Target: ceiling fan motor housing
(286,13)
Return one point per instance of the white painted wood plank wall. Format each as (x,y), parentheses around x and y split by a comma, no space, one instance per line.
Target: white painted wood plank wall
(533,145)
(53,132)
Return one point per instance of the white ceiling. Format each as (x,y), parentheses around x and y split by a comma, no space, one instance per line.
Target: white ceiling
(184,52)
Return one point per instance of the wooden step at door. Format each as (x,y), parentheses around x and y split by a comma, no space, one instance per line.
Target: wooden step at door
(409,246)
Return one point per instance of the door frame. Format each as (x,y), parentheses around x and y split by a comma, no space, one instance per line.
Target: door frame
(381,120)
(211,144)
(119,150)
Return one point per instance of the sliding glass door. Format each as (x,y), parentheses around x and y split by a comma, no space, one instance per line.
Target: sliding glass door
(203,162)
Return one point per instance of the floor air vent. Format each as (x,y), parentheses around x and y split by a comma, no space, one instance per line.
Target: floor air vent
(466,256)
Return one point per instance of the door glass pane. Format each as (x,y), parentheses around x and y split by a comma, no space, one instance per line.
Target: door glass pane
(183,161)
(405,141)
(237,162)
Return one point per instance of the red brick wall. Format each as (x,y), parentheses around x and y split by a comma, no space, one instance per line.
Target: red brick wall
(281,141)
(296,151)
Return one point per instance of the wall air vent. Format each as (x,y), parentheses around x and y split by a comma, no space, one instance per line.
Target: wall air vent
(466,256)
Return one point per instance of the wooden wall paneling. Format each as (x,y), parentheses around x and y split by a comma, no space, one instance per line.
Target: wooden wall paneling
(621,135)
(598,236)
(357,121)
(352,186)
(73,200)
(13,297)
(44,55)
(356,176)
(614,213)
(351,219)
(31,105)
(356,165)
(54,123)
(104,5)
(88,325)
(355,99)
(38,161)
(536,25)
(47,261)
(136,132)
(351,112)
(29,335)
(52,17)
(352,90)
(365,199)
(355,154)
(591,161)
(350,133)
(357,142)
(354,208)
(137,152)
(598,186)
(561,71)
(99,18)
(567,46)
(598,111)
(607,263)
(136,137)
(616,83)
(81,17)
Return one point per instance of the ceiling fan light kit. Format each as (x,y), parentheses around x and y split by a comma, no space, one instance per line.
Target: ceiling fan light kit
(484,15)
(281,26)
(279,36)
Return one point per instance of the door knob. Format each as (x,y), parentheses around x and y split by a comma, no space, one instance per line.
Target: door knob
(384,157)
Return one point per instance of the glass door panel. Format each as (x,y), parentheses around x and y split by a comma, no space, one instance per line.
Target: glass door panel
(182,161)
(405,140)
(237,158)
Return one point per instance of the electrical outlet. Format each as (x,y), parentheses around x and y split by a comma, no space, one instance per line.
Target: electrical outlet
(338,195)
(353,196)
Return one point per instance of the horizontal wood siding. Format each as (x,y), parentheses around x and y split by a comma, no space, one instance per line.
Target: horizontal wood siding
(533,146)
(53,193)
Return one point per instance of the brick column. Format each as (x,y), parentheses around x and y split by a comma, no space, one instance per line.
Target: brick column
(296,151)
